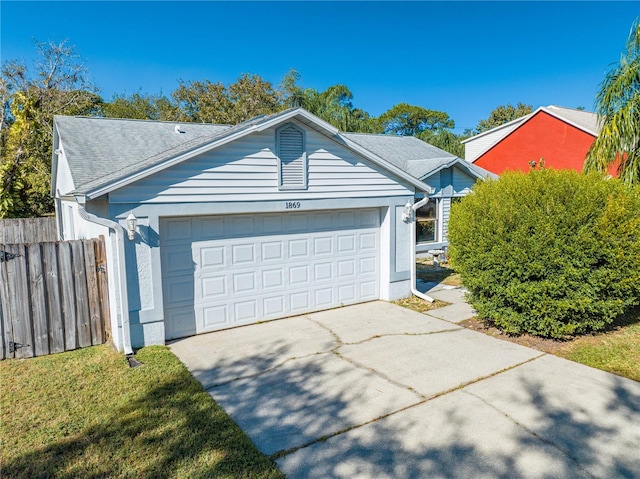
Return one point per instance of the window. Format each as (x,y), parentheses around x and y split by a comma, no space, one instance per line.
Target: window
(292,158)
(427,222)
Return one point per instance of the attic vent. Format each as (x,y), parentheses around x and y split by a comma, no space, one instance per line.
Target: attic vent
(178,129)
(292,158)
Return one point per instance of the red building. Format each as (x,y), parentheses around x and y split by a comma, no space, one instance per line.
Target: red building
(562,136)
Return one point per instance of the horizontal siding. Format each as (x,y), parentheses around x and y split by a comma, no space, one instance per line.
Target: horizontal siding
(246,170)
(462,182)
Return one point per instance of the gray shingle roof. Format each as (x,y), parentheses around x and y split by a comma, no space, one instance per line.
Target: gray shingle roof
(399,150)
(101,151)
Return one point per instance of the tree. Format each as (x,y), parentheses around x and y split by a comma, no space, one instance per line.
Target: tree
(410,120)
(252,96)
(618,108)
(207,102)
(503,114)
(56,86)
(445,140)
(141,106)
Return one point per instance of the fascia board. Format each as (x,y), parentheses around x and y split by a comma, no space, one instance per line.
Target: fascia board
(54,160)
(522,119)
(385,164)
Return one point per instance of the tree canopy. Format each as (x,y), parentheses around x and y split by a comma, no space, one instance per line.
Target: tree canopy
(410,120)
(503,114)
(618,108)
(55,85)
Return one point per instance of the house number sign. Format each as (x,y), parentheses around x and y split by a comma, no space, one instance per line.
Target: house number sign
(292,205)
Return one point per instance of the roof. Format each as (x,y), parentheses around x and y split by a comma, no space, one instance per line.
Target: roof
(148,146)
(584,120)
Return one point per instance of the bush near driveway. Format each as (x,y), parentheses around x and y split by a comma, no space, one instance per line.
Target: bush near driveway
(550,253)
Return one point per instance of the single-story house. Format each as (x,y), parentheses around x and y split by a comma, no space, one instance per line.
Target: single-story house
(214,226)
(562,136)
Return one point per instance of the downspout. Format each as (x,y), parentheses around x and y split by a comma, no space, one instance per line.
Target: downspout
(122,272)
(409,216)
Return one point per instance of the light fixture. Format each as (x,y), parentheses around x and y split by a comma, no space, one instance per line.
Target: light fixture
(407,214)
(132,224)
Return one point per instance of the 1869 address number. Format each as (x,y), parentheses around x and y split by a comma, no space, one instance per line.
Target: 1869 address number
(292,205)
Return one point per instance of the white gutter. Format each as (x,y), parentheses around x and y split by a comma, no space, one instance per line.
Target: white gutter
(121,270)
(410,216)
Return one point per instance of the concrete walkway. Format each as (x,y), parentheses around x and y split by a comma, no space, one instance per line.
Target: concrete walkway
(379,391)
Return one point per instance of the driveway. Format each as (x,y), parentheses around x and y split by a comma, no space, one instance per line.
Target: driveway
(379,391)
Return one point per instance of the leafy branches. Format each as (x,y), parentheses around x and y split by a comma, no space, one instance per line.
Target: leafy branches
(618,108)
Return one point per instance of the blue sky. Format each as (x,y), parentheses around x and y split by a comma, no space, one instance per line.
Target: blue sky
(464,58)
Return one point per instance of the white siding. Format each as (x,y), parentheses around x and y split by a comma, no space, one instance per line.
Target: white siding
(64,181)
(446,208)
(247,170)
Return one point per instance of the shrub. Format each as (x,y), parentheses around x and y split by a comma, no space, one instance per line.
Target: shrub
(551,253)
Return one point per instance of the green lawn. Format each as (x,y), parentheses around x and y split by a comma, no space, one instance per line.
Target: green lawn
(616,351)
(85,413)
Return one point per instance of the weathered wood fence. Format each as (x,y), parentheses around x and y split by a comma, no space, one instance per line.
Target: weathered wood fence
(28,230)
(53,297)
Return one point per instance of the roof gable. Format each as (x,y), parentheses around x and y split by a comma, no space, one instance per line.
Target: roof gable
(106,154)
(582,120)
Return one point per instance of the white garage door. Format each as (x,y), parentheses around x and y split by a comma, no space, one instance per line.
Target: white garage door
(224,271)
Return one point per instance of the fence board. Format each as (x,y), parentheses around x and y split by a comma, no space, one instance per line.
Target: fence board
(54,305)
(68,300)
(28,230)
(38,301)
(82,300)
(93,298)
(53,297)
(19,302)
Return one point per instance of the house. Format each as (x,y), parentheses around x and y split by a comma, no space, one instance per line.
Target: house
(560,136)
(213,226)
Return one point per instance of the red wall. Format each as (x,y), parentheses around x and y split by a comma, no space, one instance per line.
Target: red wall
(544,136)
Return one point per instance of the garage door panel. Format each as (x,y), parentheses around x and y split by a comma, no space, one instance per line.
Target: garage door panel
(272,251)
(179,291)
(212,257)
(244,269)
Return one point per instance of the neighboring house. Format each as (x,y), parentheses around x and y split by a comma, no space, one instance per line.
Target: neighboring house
(210,226)
(562,136)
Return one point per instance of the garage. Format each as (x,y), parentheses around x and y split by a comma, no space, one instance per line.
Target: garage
(230,270)
(210,227)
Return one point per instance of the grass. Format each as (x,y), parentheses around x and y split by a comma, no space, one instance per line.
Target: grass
(85,413)
(616,350)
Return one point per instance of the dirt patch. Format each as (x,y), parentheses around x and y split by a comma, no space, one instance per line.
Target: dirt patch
(551,346)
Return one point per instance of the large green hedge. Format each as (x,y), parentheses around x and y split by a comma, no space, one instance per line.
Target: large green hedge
(551,253)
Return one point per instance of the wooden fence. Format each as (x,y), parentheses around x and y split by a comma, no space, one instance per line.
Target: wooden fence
(28,230)
(53,297)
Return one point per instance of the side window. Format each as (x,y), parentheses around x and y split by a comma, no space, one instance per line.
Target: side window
(292,158)
(427,222)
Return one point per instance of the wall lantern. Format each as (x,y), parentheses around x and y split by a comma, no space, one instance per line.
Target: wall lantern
(132,224)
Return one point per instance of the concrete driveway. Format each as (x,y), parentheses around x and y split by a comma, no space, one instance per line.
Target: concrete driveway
(379,391)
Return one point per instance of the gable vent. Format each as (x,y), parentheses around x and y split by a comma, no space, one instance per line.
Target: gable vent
(292,158)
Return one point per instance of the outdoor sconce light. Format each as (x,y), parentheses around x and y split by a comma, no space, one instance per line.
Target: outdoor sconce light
(407,214)
(132,224)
